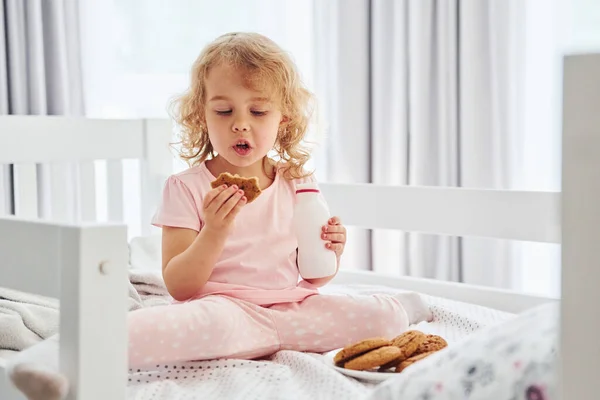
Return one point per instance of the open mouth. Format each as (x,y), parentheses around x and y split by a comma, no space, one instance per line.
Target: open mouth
(242,147)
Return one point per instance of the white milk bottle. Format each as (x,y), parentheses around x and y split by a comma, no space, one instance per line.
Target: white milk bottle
(310,215)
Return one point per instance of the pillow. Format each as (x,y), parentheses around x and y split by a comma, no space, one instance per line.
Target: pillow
(145,253)
(513,360)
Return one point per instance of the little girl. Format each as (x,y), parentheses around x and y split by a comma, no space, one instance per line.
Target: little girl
(231,266)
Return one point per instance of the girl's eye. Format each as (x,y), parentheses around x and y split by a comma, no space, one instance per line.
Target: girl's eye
(259,113)
(223,112)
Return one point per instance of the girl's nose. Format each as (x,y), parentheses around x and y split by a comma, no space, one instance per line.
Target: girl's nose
(240,128)
(240,125)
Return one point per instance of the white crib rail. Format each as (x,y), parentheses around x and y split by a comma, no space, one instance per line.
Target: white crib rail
(38,139)
(514,215)
(496,298)
(69,147)
(86,268)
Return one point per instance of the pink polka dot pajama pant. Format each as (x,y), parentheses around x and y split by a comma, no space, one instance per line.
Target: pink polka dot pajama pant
(217,327)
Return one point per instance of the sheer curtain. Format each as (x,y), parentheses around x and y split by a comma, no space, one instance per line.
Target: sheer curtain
(415,122)
(458,93)
(427,106)
(40,74)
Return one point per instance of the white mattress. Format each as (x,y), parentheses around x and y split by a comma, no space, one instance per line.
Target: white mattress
(294,375)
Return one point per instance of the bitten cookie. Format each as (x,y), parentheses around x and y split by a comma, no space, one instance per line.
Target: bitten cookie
(408,343)
(431,343)
(248,185)
(359,348)
(373,358)
(410,361)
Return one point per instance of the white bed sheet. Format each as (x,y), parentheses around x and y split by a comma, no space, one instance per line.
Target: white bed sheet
(295,375)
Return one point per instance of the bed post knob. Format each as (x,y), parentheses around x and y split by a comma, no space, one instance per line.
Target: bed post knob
(103,267)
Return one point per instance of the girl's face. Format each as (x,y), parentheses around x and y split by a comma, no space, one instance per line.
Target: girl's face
(242,123)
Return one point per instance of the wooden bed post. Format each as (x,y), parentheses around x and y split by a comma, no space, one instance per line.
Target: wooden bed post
(93,311)
(580,314)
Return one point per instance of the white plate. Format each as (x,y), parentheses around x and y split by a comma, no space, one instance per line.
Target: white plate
(370,376)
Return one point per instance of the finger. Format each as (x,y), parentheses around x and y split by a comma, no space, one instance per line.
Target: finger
(221,198)
(334,221)
(236,209)
(210,196)
(334,229)
(334,237)
(337,247)
(230,203)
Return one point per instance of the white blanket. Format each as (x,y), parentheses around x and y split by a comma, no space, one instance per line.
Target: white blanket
(294,375)
(26,319)
(146,289)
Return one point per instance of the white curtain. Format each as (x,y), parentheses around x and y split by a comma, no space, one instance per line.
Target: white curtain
(342,86)
(491,77)
(415,122)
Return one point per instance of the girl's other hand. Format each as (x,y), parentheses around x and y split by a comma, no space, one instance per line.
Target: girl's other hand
(334,234)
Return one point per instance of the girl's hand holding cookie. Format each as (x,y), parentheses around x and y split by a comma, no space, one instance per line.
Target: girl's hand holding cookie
(221,205)
(334,233)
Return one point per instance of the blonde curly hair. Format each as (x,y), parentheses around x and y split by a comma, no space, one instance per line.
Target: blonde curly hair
(267,67)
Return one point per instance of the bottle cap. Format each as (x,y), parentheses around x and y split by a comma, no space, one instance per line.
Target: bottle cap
(310,187)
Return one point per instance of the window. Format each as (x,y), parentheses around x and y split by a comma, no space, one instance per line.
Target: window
(137,55)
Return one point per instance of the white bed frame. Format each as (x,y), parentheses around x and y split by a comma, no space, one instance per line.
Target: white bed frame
(80,261)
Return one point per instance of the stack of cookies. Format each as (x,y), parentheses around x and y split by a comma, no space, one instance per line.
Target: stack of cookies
(383,355)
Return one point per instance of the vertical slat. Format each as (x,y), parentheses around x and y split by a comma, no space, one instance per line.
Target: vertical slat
(62,194)
(157,165)
(101,191)
(93,315)
(5,190)
(132,197)
(114,190)
(26,191)
(151,188)
(158,135)
(87,191)
(580,348)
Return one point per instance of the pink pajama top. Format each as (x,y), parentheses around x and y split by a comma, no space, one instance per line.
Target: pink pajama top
(258,262)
